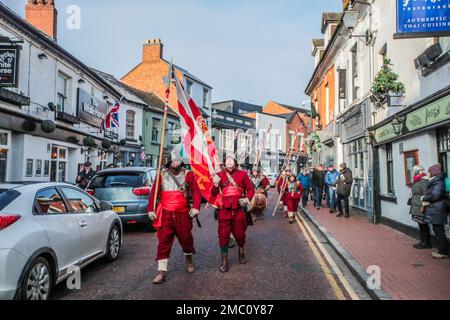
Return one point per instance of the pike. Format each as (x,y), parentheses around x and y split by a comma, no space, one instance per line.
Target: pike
(283,187)
(167,81)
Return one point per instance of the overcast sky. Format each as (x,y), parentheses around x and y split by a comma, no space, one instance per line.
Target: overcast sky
(249,50)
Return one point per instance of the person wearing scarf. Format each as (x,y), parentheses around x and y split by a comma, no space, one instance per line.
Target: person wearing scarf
(294,191)
(418,190)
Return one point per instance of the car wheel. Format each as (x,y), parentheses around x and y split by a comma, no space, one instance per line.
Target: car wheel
(113,244)
(37,282)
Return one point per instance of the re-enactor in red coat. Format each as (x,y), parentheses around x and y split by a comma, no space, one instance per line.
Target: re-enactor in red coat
(260,182)
(174,215)
(232,217)
(293,194)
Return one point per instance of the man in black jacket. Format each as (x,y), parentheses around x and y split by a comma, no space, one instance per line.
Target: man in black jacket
(344,189)
(318,183)
(85,175)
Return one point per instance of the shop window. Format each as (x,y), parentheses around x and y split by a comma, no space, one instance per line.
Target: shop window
(29,168)
(227,140)
(390,169)
(130,120)
(445,43)
(38,168)
(411,160)
(58,166)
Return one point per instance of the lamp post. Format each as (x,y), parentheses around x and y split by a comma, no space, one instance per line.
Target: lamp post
(398,124)
(350,20)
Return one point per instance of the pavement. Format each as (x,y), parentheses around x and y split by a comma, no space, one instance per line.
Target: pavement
(406,273)
(284,263)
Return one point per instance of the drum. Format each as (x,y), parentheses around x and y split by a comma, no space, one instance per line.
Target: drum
(258,204)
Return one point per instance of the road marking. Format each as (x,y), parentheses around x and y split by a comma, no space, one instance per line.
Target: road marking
(331,261)
(334,285)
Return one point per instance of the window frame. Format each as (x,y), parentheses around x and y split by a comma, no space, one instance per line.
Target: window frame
(407,155)
(34,211)
(390,165)
(158,129)
(63,95)
(68,206)
(130,125)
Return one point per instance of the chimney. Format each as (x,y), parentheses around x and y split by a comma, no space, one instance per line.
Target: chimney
(152,51)
(42,14)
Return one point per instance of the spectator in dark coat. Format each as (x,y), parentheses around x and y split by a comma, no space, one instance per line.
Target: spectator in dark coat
(318,183)
(344,189)
(419,188)
(436,210)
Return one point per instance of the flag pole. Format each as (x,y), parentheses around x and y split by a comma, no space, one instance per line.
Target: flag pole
(284,185)
(161,149)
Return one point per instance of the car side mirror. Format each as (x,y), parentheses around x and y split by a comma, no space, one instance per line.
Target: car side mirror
(106,206)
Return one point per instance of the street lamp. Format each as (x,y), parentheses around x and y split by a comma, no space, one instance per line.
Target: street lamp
(398,124)
(350,20)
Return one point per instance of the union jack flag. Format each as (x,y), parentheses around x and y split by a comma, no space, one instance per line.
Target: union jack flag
(112,118)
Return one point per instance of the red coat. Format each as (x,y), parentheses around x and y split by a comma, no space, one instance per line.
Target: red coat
(194,192)
(244,183)
(279,183)
(297,191)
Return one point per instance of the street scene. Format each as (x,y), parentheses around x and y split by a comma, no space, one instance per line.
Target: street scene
(245,151)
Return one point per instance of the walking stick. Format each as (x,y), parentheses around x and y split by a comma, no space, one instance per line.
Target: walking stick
(161,150)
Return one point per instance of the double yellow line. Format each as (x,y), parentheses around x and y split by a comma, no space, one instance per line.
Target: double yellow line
(315,246)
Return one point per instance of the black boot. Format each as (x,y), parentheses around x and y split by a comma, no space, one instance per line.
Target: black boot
(425,242)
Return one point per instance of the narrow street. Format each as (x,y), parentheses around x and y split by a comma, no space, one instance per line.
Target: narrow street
(281,267)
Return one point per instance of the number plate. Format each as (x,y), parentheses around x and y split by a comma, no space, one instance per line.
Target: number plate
(119,209)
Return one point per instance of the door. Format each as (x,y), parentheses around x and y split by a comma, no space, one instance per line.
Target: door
(58,169)
(93,231)
(62,227)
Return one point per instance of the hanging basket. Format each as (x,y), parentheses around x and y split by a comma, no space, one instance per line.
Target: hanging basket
(106,144)
(48,126)
(89,142)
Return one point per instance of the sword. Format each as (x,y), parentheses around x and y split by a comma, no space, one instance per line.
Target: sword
(198,222)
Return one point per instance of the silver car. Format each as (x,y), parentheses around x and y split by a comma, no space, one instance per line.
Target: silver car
(128,190)
(47,231)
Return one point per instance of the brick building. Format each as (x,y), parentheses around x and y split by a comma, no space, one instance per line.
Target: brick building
(148,76)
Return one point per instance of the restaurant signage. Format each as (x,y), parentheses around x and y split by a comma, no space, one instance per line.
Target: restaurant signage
(422,18)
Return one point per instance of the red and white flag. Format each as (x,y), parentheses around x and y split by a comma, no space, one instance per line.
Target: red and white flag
(198,144)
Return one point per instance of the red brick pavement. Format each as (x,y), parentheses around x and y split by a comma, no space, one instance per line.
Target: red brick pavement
(406,273)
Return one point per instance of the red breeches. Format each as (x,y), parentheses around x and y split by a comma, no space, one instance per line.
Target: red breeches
(232,221)
(174,224)
(292,204)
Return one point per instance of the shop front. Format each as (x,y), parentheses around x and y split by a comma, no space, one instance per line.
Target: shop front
(418,135)
(357,154)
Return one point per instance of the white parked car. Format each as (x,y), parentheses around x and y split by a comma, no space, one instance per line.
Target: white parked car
(46,231)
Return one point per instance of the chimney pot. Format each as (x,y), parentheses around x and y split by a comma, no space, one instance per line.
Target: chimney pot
(152,51)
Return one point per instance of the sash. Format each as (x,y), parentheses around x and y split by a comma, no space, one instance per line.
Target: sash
(172,201)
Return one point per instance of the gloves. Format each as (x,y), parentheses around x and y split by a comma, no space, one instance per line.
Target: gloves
(193,213)
(243,202)
(152,216)
(216,179)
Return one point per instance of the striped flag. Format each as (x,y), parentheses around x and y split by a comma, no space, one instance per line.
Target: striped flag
(199,147)
(112,118)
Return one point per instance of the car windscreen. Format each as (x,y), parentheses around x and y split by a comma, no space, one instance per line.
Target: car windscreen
(6,197)
(118,180)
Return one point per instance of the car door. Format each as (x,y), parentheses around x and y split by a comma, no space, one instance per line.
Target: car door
(92,223)
(62,227)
